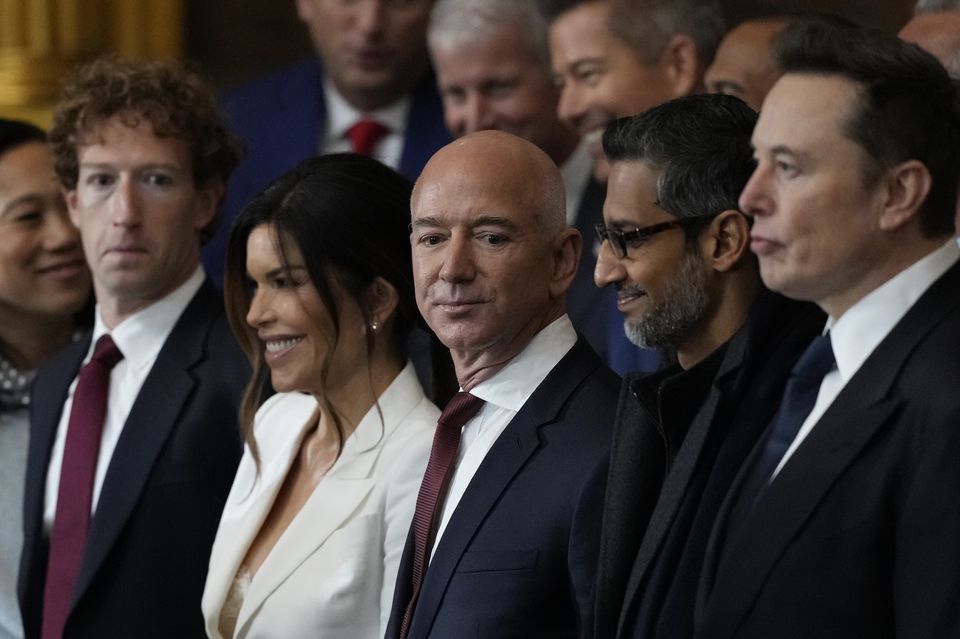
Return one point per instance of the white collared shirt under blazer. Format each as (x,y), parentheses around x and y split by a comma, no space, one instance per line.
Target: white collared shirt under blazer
(332,572)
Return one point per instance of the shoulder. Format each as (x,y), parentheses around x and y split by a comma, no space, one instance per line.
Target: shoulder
(260,96)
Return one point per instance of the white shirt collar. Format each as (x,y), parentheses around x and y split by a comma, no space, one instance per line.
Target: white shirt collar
(513,385)
(140,336)
(341,115)
(858,331)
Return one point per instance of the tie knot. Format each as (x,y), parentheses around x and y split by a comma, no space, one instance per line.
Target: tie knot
(365,134)
(817,360)
(106,352)
(460,409)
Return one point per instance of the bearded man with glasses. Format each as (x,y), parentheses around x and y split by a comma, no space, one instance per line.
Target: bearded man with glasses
(676,248)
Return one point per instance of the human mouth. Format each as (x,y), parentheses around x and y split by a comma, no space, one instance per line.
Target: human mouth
(277,347)
(762,246)
(626,297)
(66,270)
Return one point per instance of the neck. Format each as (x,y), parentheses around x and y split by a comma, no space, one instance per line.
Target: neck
(729,307)
(900,255)
(478,365)
(29,341)
(354,394)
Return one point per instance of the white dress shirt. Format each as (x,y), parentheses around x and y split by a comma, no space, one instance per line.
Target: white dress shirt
(504,395)
(140,338)
(856,333)
(341,115)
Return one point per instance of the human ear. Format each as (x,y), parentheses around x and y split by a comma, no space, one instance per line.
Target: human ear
(907,186)
(681,64)
(728,240)
(566,256)
(380,299)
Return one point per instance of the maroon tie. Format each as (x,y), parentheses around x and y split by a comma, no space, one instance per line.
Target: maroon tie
(446,441)
(75,494)
(365,134)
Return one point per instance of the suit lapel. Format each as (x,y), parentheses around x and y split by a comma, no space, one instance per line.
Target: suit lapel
(153,416)
(518,442)
(864,406)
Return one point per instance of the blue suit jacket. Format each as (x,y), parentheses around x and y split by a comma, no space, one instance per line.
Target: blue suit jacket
(518,556)
(279,120)
(145,560)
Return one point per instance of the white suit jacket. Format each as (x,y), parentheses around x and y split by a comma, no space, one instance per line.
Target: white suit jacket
(332,572)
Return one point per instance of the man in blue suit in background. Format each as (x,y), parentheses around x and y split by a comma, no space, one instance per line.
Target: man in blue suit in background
(370,90)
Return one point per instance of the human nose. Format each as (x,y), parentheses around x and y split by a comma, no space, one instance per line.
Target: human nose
(126,203)
(755,198)
(259,312)
(570,105)
(609,269)
(458,263)
(370,16)
(60,234)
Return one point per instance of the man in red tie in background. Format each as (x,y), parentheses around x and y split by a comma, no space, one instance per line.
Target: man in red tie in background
(369,90)
(506,530)
(134,439)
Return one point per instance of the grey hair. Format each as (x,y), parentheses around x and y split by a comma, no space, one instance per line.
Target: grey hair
(454,23)
(648,25)
(935,6)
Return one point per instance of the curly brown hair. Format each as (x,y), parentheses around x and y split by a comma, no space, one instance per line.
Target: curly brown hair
(175,101)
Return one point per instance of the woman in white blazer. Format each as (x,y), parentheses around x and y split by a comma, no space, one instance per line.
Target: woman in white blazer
(319,293)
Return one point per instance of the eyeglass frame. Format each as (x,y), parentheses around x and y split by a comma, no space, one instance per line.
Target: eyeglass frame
(618,239)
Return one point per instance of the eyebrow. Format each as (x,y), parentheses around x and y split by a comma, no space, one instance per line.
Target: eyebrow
(29,198)
(280,271)
(138,167)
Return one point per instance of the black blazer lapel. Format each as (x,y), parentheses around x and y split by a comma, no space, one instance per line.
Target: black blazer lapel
(518,442)
(153,416)
(865,406)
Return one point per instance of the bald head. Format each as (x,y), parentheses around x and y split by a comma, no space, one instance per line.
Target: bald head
(939,34)
(491,256)
(503,162)
(744,65)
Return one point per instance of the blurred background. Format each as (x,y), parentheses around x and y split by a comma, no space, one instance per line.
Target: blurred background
(228,41)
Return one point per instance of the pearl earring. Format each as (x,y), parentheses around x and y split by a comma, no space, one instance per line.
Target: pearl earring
(374,326)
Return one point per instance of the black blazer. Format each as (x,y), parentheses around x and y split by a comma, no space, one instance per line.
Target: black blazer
(145,561)
(518,556)
(859,534)
(654,466)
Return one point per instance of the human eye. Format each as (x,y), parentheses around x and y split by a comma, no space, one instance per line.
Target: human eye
(786,166)
(30,218)
(158,178)
(492,239)
(634,239)
(589,74)
(429,239)
(100,179)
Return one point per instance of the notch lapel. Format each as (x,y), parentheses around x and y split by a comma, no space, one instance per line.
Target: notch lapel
(515,446)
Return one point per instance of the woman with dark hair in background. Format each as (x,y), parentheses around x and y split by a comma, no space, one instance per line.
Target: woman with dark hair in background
(319,292)
(44,289)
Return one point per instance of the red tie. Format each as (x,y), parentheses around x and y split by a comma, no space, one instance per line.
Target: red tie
(365,134)
(75,494)
(446,441)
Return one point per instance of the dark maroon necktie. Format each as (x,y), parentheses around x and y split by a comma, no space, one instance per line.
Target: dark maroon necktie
(365,134)
(75,494)
(446,441)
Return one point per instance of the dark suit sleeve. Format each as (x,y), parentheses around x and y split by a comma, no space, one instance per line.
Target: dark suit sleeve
(927,548)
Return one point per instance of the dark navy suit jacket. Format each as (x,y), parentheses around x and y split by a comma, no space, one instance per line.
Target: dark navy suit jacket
(145,560)
(518,556)
(279,120)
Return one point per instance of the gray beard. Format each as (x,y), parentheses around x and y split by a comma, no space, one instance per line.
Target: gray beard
(685,302)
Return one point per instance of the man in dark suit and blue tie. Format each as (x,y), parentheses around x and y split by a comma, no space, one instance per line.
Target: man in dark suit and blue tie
(507,522)
(134,436)
(369,90)
(845,519)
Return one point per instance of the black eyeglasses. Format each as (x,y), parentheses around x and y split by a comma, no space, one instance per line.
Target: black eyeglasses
(622,241)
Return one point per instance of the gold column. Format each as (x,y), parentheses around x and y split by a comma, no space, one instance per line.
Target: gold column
(41,39)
